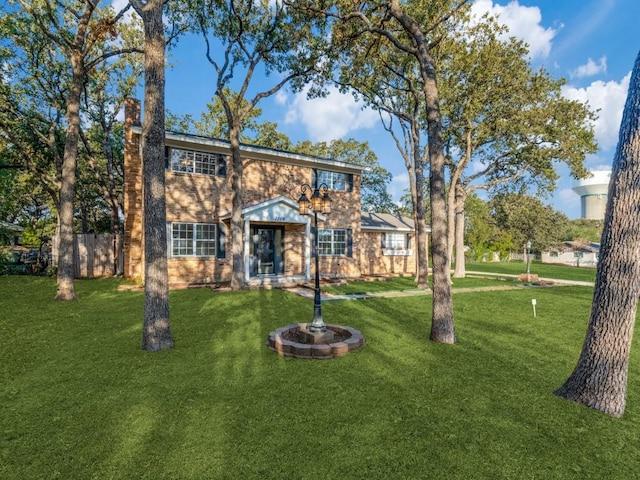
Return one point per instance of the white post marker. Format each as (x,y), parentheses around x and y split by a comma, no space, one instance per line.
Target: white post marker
(533,303)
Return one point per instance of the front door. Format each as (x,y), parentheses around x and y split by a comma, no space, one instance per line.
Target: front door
(266,250)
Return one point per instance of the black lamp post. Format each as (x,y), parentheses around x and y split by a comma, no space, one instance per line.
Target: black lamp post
(320,202)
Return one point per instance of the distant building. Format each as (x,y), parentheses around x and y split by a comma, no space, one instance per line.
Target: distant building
(593,194)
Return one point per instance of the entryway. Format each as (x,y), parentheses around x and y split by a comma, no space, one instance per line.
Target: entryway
(266,250)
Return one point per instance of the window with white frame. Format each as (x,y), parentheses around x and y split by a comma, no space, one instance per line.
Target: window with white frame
(333,180)
(395,241)
(332,241)
(193,239)
(190,161)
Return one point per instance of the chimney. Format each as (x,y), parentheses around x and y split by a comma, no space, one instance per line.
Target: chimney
(131,111)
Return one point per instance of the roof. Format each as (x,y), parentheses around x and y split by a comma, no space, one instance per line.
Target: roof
(384,222)
(11,227)
(218,145)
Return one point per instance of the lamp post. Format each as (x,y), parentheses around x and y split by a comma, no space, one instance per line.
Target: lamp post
(320,202)
(528,259)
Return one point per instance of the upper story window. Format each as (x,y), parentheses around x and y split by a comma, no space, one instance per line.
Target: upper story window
(334,180)
(191,161)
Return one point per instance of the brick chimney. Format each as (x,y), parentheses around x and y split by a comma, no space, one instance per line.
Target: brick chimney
(133,229)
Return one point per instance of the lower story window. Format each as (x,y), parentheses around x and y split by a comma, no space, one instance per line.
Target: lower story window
(193,239)
(395,241)
(332,241)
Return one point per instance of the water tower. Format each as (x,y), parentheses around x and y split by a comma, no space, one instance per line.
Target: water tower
(593,194)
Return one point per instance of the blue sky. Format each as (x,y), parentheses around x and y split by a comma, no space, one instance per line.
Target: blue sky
(593,44)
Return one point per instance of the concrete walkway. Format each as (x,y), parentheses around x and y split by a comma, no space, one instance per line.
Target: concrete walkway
(309,292)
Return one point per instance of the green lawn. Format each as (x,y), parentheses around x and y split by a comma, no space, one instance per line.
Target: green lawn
(400,284)
(544,270)
(79,399)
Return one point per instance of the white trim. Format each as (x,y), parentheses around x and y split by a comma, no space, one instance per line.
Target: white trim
(254,152)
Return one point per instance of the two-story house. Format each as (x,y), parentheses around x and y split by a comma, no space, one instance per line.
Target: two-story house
(278,246)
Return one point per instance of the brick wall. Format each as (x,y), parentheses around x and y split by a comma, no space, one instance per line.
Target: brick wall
(207,199)
(373,261)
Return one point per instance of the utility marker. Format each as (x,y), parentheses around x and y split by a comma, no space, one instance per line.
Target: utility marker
(533,303)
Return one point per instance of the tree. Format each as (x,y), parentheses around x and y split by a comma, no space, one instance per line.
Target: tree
(374,195)
(514,126)
(599,380)
(78,31)
(386,78)
(156,334)
(243,39)
(525,218)
(414,29)
(585,230)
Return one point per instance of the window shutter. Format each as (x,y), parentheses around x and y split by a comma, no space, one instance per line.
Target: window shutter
(169,240)
(314,239)
(350,182)
(221,244)
(408,241)
(167,156)
(349,242)
(314,177)
(384,238)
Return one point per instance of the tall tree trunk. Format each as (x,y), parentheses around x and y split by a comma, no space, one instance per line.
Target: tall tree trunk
(599,380)
(156,333)
(442,330)
(237,225)
(420,219)
(459,270)
(66,272)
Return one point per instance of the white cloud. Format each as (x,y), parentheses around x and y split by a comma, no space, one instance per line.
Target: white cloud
(523,23)
(608,99)
(399,183)
(119,5)
(591,68)
(281,97)
(331,117)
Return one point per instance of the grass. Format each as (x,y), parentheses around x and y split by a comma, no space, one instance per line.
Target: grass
(79,399)
(544,270)
(400,284)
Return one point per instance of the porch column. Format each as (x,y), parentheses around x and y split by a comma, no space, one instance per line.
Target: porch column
(307,250)
(247,235)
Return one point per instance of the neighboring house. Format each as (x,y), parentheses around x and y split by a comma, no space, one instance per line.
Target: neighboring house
(579,254)
(277,239)
(10,234)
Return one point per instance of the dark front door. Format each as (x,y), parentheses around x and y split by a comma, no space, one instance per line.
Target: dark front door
(266,252)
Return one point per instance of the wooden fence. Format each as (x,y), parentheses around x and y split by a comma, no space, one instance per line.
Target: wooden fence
(96,255)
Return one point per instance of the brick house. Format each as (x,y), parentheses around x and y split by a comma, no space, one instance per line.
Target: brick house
(278,247)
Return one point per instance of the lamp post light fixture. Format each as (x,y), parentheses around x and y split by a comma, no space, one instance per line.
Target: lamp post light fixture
(528,258)
(320,202)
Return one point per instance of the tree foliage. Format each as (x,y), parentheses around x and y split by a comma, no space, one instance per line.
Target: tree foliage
(525,218)
(507,126)
(374,194)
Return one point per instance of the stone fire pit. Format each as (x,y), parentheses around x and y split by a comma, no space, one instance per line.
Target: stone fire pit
(292,341)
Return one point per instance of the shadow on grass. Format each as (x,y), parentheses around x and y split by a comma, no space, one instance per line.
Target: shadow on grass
(77,389)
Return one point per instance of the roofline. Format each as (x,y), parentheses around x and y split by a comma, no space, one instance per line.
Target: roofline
(256,152)
(390,229)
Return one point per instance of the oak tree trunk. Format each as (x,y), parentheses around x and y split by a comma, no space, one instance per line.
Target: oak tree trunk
(599,380)
(156,329)
(442,330)
(422,259)
(237,225)
(65,274)
(460,269)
